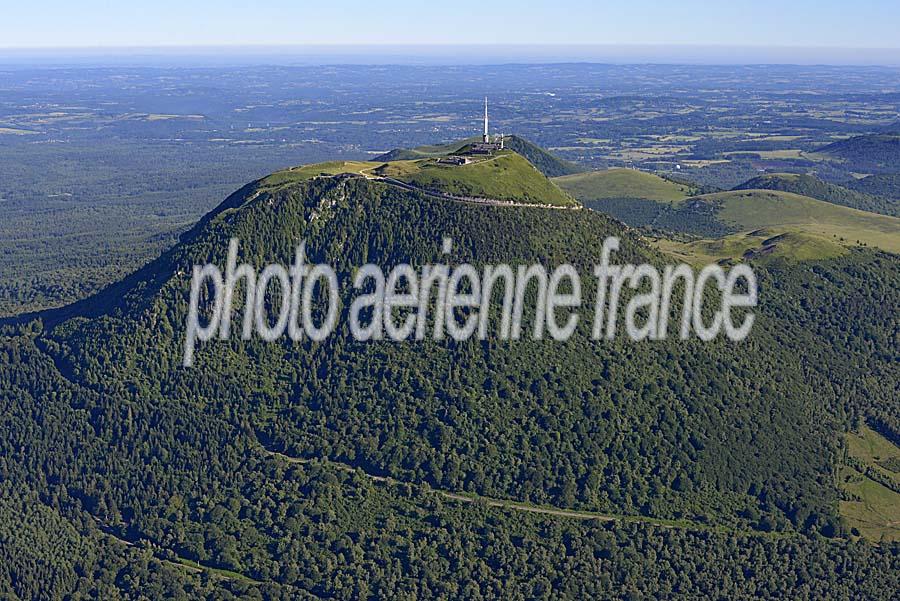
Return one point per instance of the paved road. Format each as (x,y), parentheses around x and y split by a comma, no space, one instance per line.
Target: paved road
(493,202)
(470,199)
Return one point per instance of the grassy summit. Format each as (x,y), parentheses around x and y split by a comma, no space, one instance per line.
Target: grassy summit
(306,172)
(545,162)
(506,176)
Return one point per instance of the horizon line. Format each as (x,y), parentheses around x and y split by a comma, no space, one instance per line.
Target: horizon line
(573,45)
(410,54)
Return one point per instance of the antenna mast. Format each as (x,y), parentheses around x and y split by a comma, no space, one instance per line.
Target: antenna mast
(486,138)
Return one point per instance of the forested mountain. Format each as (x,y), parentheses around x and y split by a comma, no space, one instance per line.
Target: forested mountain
(878,152)
(886,185)
(546,163)
(701,469)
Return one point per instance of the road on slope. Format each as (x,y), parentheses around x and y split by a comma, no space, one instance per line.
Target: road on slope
(536,509)
(444,196)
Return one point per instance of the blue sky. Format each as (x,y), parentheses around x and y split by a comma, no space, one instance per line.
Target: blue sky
(92,23)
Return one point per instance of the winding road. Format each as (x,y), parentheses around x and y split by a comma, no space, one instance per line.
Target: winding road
(493,202)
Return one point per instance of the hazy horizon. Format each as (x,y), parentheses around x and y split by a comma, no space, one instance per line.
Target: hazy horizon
(448,54)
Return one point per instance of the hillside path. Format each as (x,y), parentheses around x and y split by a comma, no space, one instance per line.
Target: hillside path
(490,502)
(493,202)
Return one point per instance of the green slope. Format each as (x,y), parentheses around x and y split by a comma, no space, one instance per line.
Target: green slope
(759,245)
(622,184)
(871,477)
(808,185)
(755,209)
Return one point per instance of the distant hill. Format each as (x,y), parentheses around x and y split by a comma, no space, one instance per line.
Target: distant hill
(716,215)
(886,185)
(878,152)
(545,162)
(424,152)
(808,185)
(623,183)
(646,200)
(635,197)
(761,245)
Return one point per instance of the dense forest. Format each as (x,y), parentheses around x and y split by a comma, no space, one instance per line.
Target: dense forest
(546,163)
(879,153)
(695,216)
(885,185)
(77,219)
(707,469)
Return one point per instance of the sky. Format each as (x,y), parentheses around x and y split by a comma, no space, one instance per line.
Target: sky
(869,24)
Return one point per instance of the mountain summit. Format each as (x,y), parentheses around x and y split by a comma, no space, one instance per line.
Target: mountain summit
(544,161)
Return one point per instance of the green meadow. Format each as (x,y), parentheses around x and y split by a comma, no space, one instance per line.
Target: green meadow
(622,183)
(872,481)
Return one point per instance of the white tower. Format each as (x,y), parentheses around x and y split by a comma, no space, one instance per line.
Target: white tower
(486,138)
